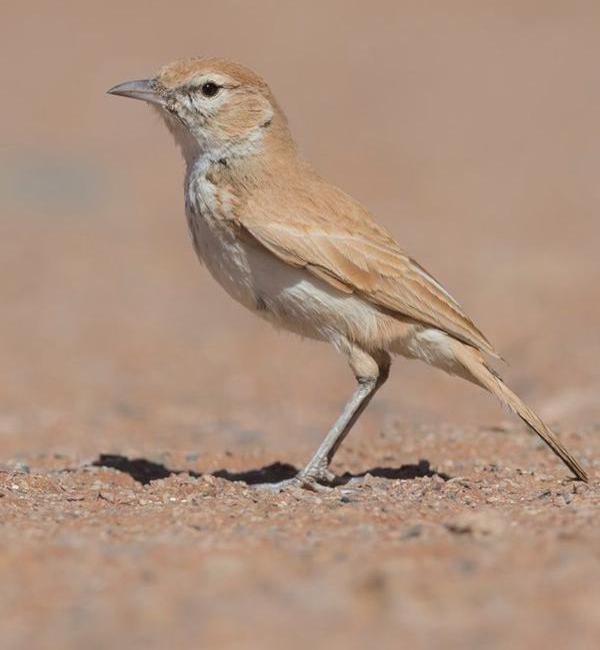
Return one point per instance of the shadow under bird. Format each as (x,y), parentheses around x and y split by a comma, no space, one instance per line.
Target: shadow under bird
(302,254)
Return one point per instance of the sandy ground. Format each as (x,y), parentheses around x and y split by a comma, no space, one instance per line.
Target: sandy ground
(137,402)
(140,553)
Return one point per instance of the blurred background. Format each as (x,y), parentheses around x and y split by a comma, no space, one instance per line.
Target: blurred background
(470,129)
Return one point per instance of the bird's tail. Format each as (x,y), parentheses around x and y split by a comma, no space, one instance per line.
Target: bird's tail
(475,366)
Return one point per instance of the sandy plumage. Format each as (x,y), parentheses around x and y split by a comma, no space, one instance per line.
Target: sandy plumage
(304,255)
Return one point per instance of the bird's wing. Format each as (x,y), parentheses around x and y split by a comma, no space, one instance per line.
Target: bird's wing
(356,255)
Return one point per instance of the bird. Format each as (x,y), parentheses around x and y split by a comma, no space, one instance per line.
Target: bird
(304,255)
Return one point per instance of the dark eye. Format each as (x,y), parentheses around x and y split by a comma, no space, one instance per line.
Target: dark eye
(209,89)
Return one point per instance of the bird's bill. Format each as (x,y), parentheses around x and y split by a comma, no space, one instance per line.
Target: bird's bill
(140,89)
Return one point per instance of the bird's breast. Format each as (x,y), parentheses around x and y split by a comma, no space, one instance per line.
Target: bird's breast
(215,241)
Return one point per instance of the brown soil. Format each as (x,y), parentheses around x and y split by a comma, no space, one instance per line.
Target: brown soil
(137,402)
(144,552)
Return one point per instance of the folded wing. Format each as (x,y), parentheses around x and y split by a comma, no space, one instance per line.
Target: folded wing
(355,255)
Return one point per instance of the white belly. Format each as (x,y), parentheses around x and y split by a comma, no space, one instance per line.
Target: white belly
(286,296)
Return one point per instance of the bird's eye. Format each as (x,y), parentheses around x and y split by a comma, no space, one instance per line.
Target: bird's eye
(209,89)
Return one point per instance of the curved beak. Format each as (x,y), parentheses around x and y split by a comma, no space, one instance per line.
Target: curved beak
(142,89)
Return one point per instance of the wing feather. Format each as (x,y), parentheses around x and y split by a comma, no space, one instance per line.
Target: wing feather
(355,255)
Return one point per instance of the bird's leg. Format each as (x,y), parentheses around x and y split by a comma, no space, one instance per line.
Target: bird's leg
(371,372)
(317,469)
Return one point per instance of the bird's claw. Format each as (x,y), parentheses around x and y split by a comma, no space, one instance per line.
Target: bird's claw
(311,479)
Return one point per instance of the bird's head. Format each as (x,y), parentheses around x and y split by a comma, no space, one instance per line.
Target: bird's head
(213,107)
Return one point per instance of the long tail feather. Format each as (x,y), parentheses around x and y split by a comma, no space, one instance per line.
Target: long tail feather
(475,365)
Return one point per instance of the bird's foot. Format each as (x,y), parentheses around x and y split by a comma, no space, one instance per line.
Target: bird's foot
(313,478)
